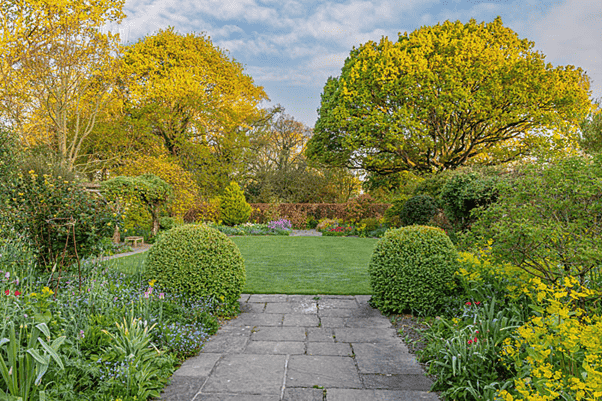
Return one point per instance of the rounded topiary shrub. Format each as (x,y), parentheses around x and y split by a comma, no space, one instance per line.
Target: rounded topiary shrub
(411,269)
(419,209)
(200,261)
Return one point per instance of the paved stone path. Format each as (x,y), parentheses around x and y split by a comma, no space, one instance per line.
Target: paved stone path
(302,348)
(138,249)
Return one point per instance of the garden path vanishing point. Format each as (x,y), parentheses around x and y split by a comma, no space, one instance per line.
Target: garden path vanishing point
(302,348)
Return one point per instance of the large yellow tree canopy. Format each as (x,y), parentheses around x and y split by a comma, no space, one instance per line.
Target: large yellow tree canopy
(447,95)
(188,89)
(55,69)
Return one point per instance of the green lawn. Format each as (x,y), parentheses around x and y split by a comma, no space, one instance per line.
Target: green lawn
(297,265)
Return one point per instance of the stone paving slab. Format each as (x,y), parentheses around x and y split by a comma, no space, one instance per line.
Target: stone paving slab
(378,395)
(276,347)
(364,335)
(247,374)
(278,334)
(258,319)
(320,334)
(303,394)
(337,349)
(236,397)
(396,382)
(324,371)
(302,348)
(183,388)
(199,366)
(385,359)
(226,345)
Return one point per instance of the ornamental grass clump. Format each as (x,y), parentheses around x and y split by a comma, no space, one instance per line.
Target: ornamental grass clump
(199,261)
(412,269)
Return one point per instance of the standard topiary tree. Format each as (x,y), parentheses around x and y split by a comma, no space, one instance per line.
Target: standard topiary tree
(201,261)
(234,208)
(418,210)
(411,269)
(149,189)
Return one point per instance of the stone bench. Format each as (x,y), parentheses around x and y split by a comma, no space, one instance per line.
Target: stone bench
(134,240)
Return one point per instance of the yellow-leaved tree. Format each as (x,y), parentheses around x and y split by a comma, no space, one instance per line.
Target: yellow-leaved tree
(444,96)
(193,97)
(56,70)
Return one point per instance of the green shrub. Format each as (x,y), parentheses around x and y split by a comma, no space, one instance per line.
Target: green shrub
(433,185)
(419,210)
(234,208)
(311,223)
(167,223)
(411,269)
(371,224)
(392,214)
(464,192)
(548,219)
(62,220)
(201,261)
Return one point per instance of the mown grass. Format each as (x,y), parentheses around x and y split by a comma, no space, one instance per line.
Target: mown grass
(296,265)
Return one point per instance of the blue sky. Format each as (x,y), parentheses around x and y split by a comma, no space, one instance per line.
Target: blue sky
(291,47)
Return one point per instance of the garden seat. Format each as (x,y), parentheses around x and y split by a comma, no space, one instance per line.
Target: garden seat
(134,240)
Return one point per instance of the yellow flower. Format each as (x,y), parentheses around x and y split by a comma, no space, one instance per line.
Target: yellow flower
(47,291)
(152,283)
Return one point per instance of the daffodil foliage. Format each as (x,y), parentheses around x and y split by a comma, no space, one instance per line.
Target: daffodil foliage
(447,95)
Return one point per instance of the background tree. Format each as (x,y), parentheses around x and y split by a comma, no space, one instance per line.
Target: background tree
(194,98)
(443,96)
(234,208)
(278,171)
(591,130)
(56,70)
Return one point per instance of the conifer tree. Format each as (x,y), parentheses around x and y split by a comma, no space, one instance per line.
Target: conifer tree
(234,207)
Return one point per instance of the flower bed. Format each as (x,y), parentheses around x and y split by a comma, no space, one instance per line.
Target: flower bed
(105,336)
(278,227)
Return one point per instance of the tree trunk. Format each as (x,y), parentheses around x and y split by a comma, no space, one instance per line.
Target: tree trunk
(155,214)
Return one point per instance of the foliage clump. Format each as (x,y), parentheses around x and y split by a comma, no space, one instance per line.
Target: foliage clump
(547,219)
(234,208)
(199,261)
(447,95)
(464,192)
(411,268)
(419,210)
(185,189)
(64,222)
(147,190)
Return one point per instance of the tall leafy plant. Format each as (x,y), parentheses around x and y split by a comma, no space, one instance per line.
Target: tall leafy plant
(62,220)
(548,219)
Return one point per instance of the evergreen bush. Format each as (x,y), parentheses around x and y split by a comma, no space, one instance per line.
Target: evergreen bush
(411,269)
(464,192)
(234,208)
(419,209)
(199,261)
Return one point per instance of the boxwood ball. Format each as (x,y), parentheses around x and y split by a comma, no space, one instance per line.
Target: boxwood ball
(411,269)
(200,261)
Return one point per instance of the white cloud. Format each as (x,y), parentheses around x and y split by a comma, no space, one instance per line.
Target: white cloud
(571,33)
(328,61)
